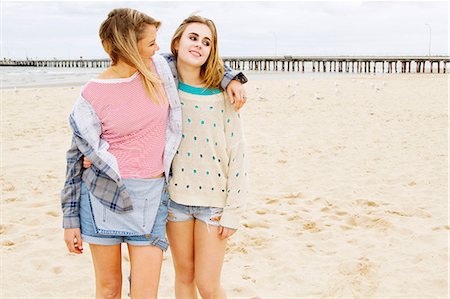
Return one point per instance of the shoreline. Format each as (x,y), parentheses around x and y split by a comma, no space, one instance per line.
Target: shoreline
(252,75)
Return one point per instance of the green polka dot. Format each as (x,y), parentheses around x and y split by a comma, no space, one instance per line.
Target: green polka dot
(187,186)
(221,110)
(215,125)
(211,107)
(237,174)
(182,169)
(239,116)
(232,134)
(207,173)
(182,135)
(196,106)
(216,143)
(195,171)
(199,187)
(176,184)
(189,154)
(223,190)
(213,157)
(201,156)
(207,139)
(202,122)
(212,189)
(195,137)
(239,191)
(189,120)
(228,120)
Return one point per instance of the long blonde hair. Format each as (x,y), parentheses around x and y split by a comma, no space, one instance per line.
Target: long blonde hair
(212,70)
(120,33)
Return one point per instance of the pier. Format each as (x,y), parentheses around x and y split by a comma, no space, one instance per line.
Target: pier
(348,64)
(340,64)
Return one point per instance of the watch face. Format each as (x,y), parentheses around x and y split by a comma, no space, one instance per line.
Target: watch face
(241,78)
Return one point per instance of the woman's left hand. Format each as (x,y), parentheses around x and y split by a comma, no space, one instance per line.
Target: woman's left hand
(225,232)
(86,162)
(236,94)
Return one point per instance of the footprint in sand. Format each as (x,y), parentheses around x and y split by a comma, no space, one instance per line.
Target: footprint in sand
(311,227)
(293,218)
(271,201)
(10,199)
(357,278)
(53,213)
(8,243)
(8,187)
(294,195)
(366,202)
(2,229)
(444,227)
(292,202)
(57,270)
(256,224)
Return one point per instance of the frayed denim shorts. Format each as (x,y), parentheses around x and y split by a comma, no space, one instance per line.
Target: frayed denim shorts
(144,226)
(179,213)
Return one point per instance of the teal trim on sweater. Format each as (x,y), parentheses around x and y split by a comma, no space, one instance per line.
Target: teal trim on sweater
(197,90)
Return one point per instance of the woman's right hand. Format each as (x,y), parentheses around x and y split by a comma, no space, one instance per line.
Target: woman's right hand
(86,162)
(72,237)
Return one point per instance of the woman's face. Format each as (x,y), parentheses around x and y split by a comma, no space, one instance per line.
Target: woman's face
(147,46)
(194,45)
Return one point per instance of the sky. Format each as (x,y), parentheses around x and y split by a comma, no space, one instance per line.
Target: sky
(68,30)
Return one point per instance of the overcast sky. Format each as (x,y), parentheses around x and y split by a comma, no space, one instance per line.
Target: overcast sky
(70,29)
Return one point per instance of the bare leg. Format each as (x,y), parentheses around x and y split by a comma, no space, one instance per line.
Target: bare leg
(181,240)
(146,264)
(209,255)
(108,270)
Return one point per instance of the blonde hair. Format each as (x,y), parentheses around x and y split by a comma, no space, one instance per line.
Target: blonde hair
(120,33)
(212,70)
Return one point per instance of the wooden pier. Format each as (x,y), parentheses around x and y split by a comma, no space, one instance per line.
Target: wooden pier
(340,64)
(348,64)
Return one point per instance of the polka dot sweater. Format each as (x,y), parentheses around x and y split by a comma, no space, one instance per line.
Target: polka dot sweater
(209,168)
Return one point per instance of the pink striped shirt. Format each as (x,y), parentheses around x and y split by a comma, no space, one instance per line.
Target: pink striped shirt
(132,124)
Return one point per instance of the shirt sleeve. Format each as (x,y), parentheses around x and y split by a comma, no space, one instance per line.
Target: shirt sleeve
(237,177)
(71,193)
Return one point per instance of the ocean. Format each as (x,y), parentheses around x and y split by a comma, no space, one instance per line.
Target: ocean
(18,77)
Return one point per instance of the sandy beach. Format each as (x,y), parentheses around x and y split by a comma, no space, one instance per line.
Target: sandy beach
(349,192)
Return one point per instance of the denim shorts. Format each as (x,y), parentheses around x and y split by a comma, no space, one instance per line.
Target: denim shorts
(101,226)
(179,213)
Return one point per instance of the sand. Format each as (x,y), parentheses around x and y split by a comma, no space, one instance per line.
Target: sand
(349,192)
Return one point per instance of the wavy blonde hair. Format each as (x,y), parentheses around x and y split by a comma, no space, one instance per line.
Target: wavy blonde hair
(212,70)
(120,33)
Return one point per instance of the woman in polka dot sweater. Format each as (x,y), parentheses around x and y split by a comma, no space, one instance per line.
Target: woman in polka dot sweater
(209,177)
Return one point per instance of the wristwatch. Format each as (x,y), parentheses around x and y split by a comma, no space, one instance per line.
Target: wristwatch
(241,78)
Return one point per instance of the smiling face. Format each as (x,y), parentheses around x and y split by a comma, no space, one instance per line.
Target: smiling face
(194,45)
(147,45)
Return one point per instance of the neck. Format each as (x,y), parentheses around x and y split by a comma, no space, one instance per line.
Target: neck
(123,70)
(189,74)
